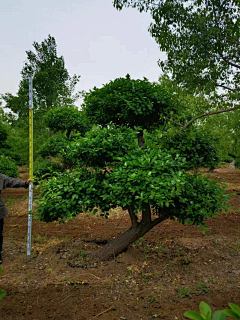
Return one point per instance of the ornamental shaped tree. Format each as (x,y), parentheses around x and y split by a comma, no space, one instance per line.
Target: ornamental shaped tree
(115,171)
(67,119)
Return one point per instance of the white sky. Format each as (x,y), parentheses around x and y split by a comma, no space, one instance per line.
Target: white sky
(97,42)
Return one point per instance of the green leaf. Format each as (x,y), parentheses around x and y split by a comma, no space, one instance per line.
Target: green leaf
(231,313)
(2,293)
(218,315)
(235,308)
(193,315)
(205,310)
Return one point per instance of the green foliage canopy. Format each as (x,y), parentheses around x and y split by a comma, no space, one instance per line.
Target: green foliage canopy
(128,102)
(198,147)
(67,119)
(141,178)
(201,39)
(101,146)
(52,84)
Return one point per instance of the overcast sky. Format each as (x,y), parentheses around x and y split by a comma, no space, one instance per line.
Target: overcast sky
(97,42)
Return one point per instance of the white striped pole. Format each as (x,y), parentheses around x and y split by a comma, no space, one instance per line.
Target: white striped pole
(30,202)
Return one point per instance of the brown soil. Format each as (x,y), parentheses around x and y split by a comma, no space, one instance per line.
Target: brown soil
(145,282)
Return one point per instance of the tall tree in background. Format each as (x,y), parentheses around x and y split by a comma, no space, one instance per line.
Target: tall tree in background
(53,85)
(201,39)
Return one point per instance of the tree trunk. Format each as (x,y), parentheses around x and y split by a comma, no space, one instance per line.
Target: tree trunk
(141,141)
(232,165)
(118,245)
(68,134)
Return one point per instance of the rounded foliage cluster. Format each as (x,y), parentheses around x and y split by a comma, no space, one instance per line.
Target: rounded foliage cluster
(140,178)
(197,147)
(128,102)
(8,167)
(67,119)
(101,146)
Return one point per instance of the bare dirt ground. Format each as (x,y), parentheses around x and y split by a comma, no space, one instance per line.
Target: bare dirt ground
(166,273)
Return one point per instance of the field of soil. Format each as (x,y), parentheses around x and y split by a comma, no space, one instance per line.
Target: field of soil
(164,274)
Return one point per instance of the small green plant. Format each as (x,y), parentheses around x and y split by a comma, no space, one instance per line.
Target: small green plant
(234,312)
(179,253)
(211,279)
(139,241)
(155,316)
(152,299)
(206,313)
(129,271)
(2,292)
(81,254)
(160,247)
(202,287)
(145,277)
(184,292)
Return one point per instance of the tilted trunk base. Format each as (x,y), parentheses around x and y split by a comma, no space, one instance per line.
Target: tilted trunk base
(118,245)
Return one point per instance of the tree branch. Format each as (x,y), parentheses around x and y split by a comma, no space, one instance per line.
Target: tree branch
(231,63)
(132,216)
(232,41)
(227,88)
(158,220)
(208,114)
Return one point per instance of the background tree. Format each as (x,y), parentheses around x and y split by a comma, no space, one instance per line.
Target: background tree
(201,39)
(52,84)
(67,119)
(52,87)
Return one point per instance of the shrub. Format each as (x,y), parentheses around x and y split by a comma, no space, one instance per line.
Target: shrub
(45,170)
(237,164)
(67,119)
(8,167)
(54,146)
(13,155)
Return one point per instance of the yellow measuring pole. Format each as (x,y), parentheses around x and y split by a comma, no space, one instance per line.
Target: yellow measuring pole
(30,202)
(31,144)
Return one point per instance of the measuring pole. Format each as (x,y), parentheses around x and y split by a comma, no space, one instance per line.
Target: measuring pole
(30,202)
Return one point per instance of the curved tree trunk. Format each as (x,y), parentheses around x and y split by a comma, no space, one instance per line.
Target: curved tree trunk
(118,245)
